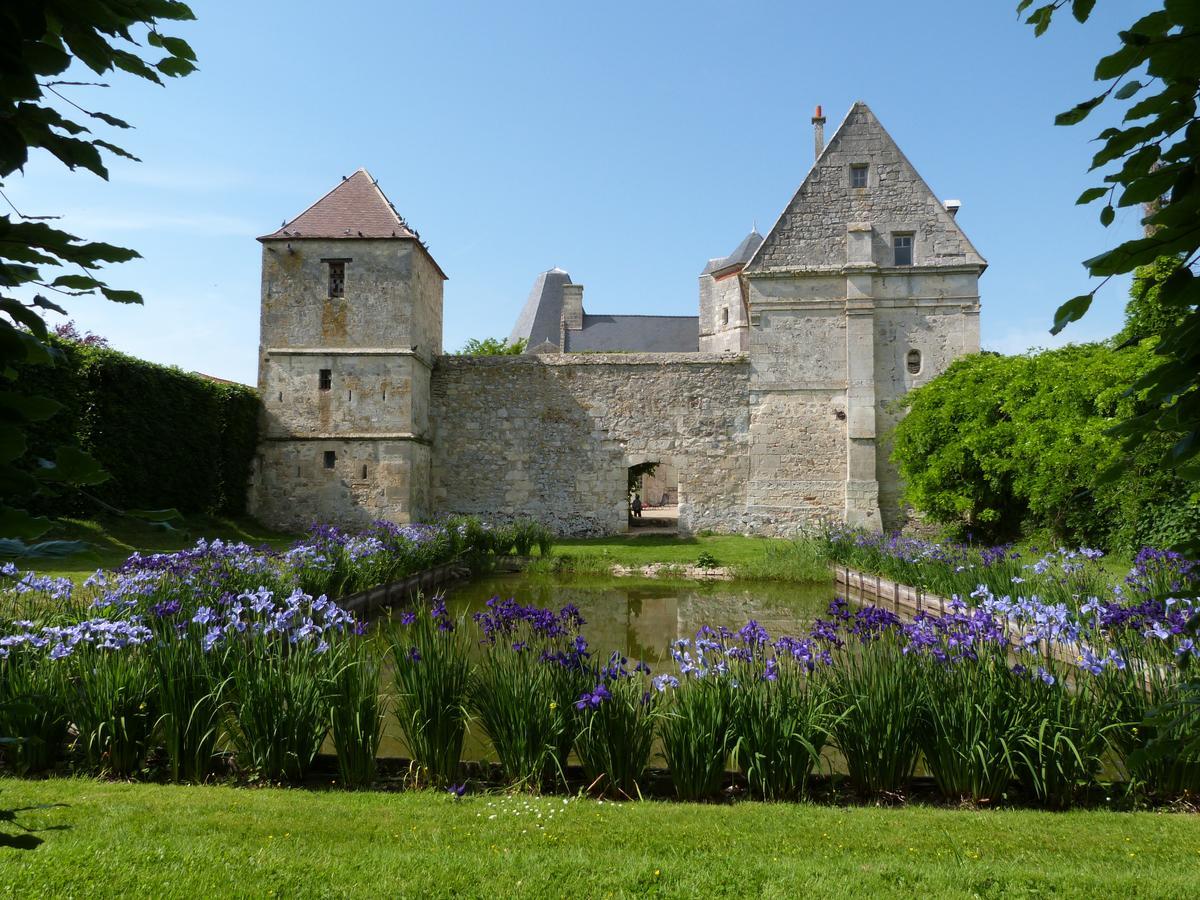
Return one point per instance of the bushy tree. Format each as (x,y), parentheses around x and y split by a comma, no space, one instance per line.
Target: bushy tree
(39,41)
(998,444)
(493,347)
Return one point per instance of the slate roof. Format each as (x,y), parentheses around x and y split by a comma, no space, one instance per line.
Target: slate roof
(644,334)
(541,316)
(739,257)
(540,322)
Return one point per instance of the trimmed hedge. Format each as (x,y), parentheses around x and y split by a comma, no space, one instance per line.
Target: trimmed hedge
(167,437)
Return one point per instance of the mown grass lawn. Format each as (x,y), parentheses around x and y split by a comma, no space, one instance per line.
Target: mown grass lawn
(104,839)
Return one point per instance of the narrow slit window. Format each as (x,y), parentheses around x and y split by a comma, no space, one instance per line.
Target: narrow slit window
(913,362)
(858,175)
(330,459)
(364,475)
(902,249)
(325,381)
(337,278)
(725,315)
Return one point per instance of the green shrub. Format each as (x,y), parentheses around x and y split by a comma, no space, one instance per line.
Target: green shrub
(998,444)
(167,437)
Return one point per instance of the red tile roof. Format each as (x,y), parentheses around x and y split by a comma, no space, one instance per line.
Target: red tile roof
(356,208)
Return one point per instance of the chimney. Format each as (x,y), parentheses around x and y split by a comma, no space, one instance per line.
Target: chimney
(952,207)
(572,306)
(818,121)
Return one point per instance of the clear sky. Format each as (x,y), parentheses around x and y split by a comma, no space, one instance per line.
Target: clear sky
(625,142)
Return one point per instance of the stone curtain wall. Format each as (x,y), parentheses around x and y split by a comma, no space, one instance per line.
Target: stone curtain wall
(551,436)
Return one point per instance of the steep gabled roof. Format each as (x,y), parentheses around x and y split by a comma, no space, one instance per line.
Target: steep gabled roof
(811,231)
(739,257)
(541,317)
(356,208)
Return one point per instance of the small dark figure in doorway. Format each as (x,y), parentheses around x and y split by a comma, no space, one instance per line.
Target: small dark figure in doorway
(637,506)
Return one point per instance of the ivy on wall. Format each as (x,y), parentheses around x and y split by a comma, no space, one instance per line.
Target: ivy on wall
(167,438)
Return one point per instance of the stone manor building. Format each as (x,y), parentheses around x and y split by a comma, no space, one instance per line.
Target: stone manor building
(771,406)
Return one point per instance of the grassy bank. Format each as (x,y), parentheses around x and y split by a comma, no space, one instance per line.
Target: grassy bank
(104,839)
(113,538)
(757,558)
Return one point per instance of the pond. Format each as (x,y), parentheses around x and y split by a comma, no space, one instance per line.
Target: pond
(639,617)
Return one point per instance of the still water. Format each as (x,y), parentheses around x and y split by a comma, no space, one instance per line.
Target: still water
(639,617)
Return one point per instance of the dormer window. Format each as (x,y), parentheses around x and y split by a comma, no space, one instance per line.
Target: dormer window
(858,175)
(902,249)
(337,278)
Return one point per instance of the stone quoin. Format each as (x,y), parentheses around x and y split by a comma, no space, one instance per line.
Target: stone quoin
(770,406)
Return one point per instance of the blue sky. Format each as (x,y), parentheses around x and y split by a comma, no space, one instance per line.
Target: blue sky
(625,142)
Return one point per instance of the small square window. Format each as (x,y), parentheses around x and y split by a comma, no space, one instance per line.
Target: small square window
(325,380)
(330,459)
(858,175)
(337,278)
(902,249)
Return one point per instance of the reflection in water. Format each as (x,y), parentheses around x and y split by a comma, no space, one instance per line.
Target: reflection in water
(639,617)
(642,618)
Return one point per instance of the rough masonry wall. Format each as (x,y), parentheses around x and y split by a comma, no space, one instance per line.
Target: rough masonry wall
(551,436)
(797,409)
(373,418)
(939,318)
(387,292)
(722,333)
(292,488)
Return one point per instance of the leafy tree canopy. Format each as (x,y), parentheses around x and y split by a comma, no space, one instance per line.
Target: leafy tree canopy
(1151,158)
(40,40)
(493,347)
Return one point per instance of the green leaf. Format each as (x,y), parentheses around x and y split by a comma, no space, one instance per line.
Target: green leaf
(31,408)
(1071,311)
(110,120)
(1091,194)
(1127,90)
(17,523)
(156,515)
(73,466)
(76,282)
(1078,112)
(12,444)
(16,549)
(175,67)
(1106,216)
(24,315)
(1183,12)
(121,296)
(43,303)
(1081,9)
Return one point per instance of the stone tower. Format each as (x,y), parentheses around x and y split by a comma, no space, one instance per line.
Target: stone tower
(864,288)
(351,325)
(724,311)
